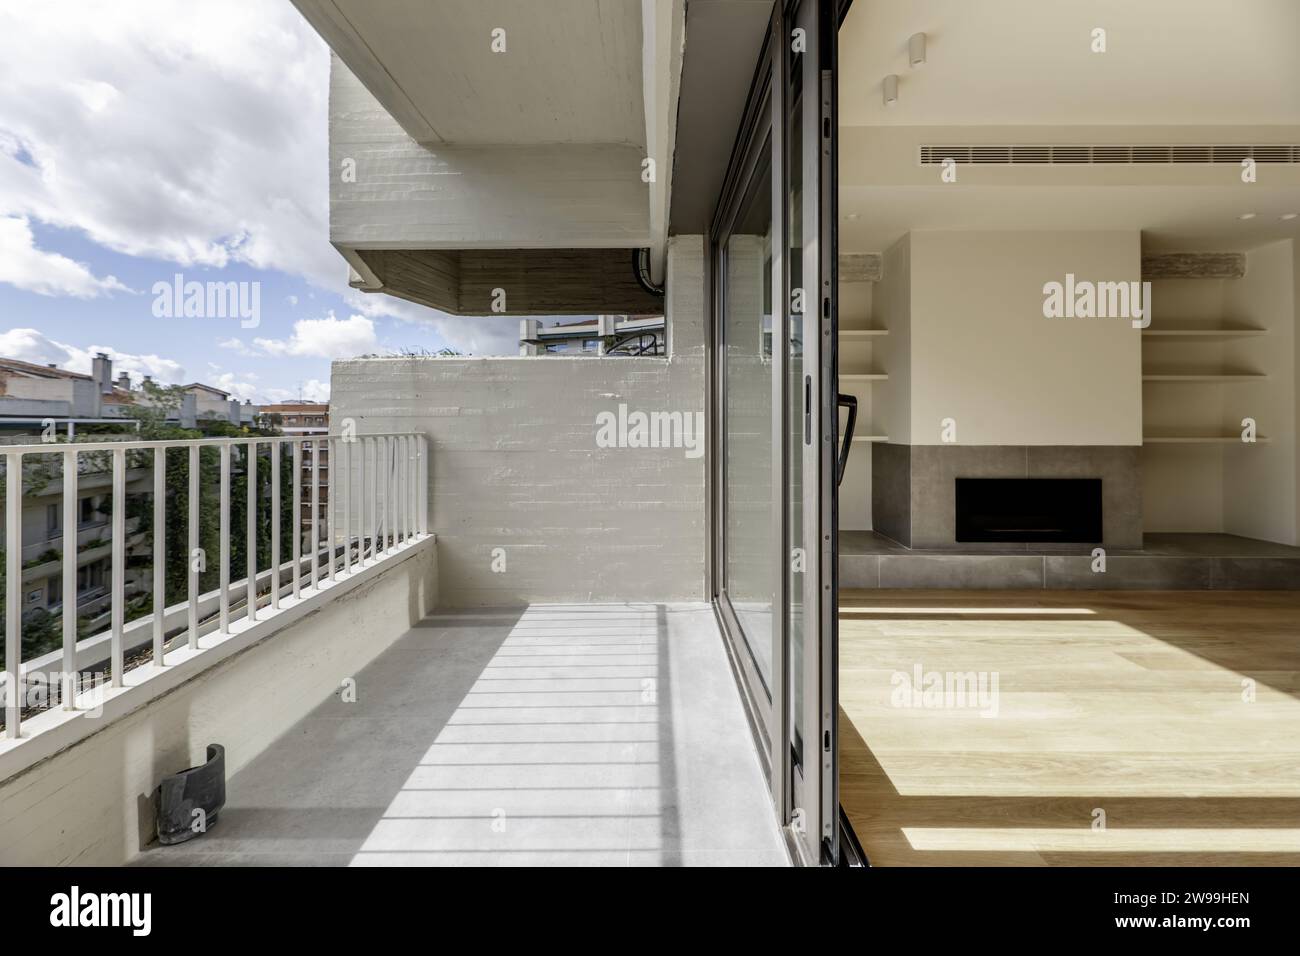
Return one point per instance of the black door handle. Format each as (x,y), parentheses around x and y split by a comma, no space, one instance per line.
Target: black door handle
(851,403)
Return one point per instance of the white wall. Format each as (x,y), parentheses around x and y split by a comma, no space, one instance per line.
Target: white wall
(983,354)
(515,466)
(90,804)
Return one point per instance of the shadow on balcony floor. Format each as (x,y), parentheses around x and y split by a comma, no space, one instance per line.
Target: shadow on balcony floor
(556,734)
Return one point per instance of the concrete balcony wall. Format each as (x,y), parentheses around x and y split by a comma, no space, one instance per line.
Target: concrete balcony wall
(90,804)
(527,507)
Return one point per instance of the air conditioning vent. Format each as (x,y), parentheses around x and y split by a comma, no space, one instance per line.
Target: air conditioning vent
(1083,154)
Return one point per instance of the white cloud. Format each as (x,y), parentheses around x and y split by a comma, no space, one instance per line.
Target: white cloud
(240,385)
(45,273)
(312,390)
(189,132)
(30,345)
(473,335)
(329,338)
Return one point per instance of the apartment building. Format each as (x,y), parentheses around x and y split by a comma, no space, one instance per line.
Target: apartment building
(307,418)
(34,398)
(626,335)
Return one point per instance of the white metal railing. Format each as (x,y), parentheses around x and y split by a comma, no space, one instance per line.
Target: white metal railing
(388,509)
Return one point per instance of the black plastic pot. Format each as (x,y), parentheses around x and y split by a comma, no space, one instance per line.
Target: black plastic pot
(180,794)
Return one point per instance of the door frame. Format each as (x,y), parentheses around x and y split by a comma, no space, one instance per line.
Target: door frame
(764,121)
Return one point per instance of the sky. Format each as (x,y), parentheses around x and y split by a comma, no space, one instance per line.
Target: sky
(150,139)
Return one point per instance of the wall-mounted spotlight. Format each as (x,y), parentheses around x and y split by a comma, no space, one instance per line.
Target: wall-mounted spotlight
(890,87)
(916,50)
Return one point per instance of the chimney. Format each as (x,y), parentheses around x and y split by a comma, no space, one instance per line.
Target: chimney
(124,381)
(101,370)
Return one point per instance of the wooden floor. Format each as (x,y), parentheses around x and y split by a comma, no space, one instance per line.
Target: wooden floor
(1173,717)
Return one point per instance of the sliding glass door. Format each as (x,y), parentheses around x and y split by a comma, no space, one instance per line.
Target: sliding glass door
(774,397)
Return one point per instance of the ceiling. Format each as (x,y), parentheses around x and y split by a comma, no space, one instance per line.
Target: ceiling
(1021,71)
(1176,218)
(1030,61)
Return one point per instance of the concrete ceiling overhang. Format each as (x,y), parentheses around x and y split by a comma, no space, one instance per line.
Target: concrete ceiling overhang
(503,90)
(562,71)
(723,42)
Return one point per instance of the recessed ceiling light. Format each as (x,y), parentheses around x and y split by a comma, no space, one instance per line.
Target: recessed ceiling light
(1247,215)
(852,217)
(1290,215)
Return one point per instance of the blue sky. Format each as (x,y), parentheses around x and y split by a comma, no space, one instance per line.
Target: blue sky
(185,138)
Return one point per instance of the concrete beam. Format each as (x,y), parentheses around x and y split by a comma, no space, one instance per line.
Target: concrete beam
(861,267)
(530,281)
(1194,265)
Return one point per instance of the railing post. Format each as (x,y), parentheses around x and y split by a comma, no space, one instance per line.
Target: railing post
(412,462)
(13,593)
(372,499)
(276,504)
(118,616)
(315,511)
(192,576)
(399,490)
(159,552)
(347,506)
(297,520)
(331,503)
(250,543)
(223,533)
(423,493)
(68,685)
(388,490)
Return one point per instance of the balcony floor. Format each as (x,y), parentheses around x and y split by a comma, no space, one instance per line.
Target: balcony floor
(555,734)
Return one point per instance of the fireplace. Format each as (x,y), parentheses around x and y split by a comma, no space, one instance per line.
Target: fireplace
(1065,510)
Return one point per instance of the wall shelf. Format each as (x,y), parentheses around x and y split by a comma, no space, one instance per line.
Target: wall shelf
(862,333)
(1206,377)
(1200,440)
(1203,333)
(870,438)
(863,377)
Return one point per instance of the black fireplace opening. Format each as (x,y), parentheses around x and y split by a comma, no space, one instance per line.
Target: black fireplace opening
(1066,510)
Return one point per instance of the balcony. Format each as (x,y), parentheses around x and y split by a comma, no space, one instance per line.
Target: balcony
(365,721)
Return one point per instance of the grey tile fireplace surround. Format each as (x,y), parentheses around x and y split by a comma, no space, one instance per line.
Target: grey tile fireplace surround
(912,499)
(914,544)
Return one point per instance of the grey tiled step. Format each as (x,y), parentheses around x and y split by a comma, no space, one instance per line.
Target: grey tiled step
(1068,572)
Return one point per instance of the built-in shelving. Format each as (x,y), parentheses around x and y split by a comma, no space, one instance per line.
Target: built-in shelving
(1203,333)
(1205,377)
(1200,440)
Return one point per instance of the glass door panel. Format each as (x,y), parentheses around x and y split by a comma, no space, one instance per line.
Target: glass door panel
(750,536)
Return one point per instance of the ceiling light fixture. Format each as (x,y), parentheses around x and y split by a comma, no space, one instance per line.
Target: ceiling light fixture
(916,50)
(891,89)
(1290,215)
(1246,215)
